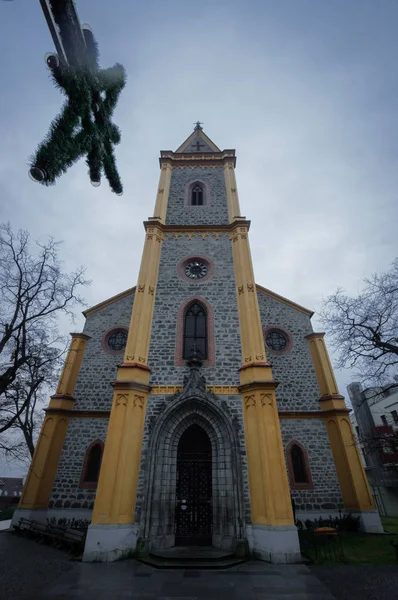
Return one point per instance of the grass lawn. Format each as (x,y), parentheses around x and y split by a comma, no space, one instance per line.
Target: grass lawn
(366,548)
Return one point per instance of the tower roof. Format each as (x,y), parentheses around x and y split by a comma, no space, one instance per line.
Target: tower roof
(197,142)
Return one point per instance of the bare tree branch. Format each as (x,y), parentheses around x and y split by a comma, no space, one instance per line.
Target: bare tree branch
(364,329)
(34,291)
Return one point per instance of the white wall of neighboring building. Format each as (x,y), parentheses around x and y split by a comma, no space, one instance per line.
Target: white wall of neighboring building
(383,406)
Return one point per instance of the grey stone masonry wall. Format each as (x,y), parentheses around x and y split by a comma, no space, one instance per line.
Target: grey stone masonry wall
(172,291)
(66,491)
(232,406)
(93,388)
(312,435)
(216,210)
(298,386)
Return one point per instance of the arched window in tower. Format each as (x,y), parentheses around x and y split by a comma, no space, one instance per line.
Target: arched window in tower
(197,195)
(299,469)
(92,465)
(195,330)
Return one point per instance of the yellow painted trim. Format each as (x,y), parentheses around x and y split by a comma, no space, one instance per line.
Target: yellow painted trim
(268,482)
(72,364)
(350,471)
(216,389)
(252,340)
(44,465)
(323,367)
(109,301)
(117,486)
(353,482)
(195,134)
(232,191)
(290,303)
(162,196)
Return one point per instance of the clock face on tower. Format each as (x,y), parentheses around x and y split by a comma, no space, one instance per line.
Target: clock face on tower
(196,269)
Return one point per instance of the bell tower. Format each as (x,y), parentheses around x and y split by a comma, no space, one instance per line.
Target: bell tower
(195,289)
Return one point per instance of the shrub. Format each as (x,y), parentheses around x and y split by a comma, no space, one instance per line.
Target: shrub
(341,522)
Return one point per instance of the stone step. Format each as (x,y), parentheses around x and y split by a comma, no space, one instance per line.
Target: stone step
(176,563)
(192,557)
(192,552)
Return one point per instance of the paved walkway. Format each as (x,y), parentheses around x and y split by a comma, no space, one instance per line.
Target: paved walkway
(32,571)
(130,579)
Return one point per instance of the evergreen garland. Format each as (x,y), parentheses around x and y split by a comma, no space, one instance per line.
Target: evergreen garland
(84,126)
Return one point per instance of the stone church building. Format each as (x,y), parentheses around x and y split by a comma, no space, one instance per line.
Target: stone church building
(198,407)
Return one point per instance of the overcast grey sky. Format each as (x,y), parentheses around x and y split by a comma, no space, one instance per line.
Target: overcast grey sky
(305,90)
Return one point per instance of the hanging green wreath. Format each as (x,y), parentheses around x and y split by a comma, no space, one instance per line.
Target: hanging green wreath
(84,126)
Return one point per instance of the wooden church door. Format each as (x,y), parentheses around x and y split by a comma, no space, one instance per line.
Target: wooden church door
(193,522)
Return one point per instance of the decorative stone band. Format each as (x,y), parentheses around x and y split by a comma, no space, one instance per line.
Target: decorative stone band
(131,385)
(157,390)
(189,159)
(199,229)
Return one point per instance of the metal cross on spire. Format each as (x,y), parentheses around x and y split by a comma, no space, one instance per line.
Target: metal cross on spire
(198,125)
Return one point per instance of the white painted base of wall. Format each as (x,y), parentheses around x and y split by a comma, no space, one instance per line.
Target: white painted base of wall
(275,544)
(369,521)
(42,514)
(107,543)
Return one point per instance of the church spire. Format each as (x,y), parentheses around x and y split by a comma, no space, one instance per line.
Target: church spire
(198,142)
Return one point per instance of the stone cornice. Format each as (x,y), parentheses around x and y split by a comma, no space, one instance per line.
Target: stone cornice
(166,229)
(80,335)
(191,159)
(111,300)
(131,385)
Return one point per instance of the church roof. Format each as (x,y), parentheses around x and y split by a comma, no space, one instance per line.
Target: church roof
(198,141)
(259,288)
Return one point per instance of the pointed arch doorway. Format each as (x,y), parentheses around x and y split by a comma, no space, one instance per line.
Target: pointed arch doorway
(194,510)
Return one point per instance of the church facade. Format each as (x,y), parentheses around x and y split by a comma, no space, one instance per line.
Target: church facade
(198,407)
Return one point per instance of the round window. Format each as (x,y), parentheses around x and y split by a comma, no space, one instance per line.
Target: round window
(277,340)
(115,340)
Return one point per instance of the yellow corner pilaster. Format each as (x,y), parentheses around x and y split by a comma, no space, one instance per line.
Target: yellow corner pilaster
(252,340)
(351,474)
(43,468)
(138,340)
(323,367)
(117,485)
(232,191)
(268,481)
(163,193)
(70,371)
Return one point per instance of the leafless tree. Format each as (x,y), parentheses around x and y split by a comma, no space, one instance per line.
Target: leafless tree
(34,292)
(364,329)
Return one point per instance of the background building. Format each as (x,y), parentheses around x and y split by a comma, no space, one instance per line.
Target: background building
(375,421)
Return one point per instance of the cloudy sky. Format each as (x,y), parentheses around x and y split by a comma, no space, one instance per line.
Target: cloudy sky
(305,90)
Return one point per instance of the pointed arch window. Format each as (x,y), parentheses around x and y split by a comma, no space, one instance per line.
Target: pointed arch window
(195,330)
(92,465)
(298,466)
(197,195)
